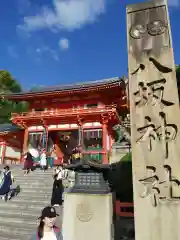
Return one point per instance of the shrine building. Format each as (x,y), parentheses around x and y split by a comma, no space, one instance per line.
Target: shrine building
(63,117)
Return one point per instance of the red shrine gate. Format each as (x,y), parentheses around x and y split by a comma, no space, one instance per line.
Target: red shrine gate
(82,113)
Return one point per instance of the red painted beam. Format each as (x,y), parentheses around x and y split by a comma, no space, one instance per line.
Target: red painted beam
(121,213)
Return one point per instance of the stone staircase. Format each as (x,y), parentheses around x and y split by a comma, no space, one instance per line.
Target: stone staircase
(18,217)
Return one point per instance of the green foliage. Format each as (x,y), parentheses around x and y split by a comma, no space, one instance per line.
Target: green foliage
(34,89)
(178,74)
(9,85)
(177,68)
(121,179)
(127,157)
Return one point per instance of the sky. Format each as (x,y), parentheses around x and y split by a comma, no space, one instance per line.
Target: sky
(51,42)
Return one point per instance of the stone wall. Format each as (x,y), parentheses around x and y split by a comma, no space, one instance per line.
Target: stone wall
(12,153)
(118,152)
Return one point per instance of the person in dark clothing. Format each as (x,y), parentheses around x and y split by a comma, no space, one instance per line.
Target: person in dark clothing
(8,174)
(28,163)
(57,191)
(7,187)
(5,183)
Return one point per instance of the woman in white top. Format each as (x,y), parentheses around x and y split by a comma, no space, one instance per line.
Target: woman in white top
(43,160)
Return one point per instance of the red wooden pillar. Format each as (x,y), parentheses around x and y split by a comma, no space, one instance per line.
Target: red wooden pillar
(47,135)
(3,152)
(25,144)
(80,134)
(104,140)
(58,151)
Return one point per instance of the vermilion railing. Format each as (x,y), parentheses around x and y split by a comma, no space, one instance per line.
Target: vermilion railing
(122,207)
(62,112)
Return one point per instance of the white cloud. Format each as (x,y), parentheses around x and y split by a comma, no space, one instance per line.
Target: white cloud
(12,51)
(174,3)
(65,14)
(64,43)
(48,50)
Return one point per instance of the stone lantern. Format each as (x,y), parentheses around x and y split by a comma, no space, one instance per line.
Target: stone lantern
(88,210)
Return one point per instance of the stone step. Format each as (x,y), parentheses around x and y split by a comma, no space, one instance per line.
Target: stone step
(37,176)
(34,178)
(34,181)
(17,229)
(26,199)
(20,205)
(36,191)
(20,213)
(10,236)
(34,173)
(36,187)
(30,198)
(29,201)
(18,217)
(31,221)
(44,195)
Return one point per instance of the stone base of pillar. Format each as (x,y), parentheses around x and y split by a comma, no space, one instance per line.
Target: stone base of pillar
(87,216)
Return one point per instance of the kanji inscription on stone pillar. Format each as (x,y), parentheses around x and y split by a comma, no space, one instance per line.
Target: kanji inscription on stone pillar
(155,122)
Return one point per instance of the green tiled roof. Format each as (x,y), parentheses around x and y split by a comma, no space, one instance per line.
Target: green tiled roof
(8,127)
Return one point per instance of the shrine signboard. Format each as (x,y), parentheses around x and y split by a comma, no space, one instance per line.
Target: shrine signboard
(155,122)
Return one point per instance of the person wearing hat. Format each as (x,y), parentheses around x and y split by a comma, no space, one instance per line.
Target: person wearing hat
(47,229)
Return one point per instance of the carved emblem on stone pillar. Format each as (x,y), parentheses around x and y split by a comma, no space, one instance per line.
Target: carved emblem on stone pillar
(84,212)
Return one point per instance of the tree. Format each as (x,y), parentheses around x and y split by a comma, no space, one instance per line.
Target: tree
(34,89)
(9,85)
(178,74)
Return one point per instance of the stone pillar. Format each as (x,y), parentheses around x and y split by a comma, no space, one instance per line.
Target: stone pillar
(155,122)
(89,217)
(88,208)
